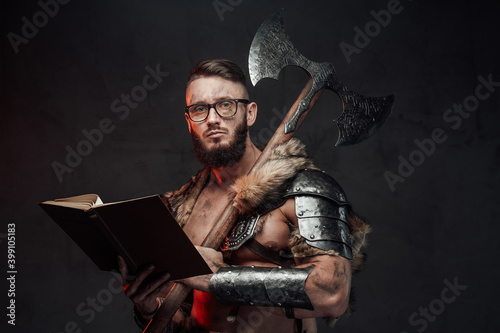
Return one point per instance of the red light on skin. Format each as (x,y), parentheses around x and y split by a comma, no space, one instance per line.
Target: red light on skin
(207,310)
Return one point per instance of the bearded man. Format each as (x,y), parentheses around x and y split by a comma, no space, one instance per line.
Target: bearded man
(296,243)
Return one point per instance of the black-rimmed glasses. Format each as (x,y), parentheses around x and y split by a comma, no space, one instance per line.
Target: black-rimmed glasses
(225,109)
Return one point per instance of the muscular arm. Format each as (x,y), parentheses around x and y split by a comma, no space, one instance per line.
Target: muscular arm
(327,286)
(329,283)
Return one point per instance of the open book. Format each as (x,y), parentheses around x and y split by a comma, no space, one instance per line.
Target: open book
(142,231)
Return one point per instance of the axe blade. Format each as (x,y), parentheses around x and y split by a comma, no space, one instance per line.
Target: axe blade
(269,45)
(272,50)
(362,116)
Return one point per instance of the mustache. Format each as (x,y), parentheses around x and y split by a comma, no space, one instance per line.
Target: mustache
(213,129)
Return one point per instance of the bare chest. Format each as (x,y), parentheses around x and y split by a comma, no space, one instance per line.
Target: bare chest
(206,211)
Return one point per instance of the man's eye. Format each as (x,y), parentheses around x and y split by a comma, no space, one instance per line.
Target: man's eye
(199,109)
(225,105)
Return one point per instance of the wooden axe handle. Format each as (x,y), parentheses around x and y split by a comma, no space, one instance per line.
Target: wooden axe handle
(228,218)
(167,310)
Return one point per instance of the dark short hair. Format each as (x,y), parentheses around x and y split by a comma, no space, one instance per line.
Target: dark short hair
(223,68)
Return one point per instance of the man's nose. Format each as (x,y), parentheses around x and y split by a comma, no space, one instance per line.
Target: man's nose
(213,117)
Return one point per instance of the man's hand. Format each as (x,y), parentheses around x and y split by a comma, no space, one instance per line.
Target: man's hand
(212,257)
(214,260)
(143,295)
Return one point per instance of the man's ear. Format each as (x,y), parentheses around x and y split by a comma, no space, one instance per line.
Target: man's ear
(188,121)
(251,113)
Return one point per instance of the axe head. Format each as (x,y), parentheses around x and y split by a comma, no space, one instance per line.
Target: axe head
(272,50)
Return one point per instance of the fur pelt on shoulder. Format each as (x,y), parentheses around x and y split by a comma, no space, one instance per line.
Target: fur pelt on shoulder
(263,189)
(181,202)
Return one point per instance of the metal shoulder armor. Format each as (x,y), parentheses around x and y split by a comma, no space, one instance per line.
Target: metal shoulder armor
(321,207)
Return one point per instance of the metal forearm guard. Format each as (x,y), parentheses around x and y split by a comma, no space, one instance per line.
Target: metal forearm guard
(262,286)
(321,208)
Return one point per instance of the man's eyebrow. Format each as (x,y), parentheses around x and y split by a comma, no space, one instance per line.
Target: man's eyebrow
(217,100)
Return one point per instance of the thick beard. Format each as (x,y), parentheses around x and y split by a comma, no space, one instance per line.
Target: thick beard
(222,156)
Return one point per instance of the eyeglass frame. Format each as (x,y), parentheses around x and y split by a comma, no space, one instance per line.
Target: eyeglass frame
(213,105)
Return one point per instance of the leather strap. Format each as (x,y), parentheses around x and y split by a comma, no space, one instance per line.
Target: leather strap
(268,254)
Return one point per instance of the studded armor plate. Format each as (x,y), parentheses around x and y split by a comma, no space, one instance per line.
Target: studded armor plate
(242,231)
(321,207)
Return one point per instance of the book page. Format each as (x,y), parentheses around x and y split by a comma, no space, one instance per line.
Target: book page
(83,202)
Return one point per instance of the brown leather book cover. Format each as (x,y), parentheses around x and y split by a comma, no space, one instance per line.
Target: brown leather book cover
(141,230)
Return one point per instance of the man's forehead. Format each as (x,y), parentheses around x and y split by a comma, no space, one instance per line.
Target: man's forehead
(213,88)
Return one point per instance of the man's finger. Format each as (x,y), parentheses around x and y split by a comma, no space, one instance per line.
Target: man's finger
(147,292)
(136,283)
(122,266)
(144,273)
(159,286)
(152,288)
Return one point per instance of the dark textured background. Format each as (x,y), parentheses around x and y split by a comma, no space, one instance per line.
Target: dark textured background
(439,224)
